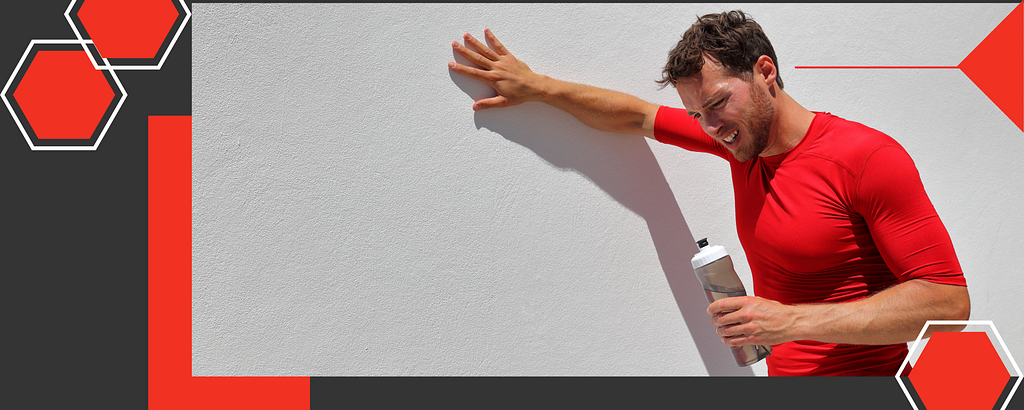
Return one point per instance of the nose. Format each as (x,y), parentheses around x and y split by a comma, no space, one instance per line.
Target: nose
(712,124)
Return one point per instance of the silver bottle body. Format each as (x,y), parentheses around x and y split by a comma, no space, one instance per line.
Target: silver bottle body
(720,281)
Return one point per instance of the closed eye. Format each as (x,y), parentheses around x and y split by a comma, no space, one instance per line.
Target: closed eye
(717,105)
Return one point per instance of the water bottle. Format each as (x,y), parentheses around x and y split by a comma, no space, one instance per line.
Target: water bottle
(714,269)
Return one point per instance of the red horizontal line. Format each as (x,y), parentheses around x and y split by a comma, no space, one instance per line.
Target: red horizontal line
(877,67)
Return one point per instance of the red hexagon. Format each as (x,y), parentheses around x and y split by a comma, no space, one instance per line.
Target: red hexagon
(62,95)
(959,371)
(128,28)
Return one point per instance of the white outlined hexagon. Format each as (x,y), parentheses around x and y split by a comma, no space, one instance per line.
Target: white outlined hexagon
(1004,354)
(106,63)
(3,95)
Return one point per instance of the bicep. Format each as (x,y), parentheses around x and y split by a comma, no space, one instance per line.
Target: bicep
(902,220)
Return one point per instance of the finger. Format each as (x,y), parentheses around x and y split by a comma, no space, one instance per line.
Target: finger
(477,59)
(727,319)
(498,47)
(725,333)
(726,304)
(718,320)
(733,330)
(493,102)
(481,47)
(733,336)
(738,341)
(471,72)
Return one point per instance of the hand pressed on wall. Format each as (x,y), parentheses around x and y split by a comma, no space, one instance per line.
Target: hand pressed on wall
(510,77)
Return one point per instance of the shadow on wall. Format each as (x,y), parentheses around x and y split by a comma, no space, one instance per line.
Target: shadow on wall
(626,169)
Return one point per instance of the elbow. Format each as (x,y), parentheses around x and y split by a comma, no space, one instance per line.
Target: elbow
(959,309)
(952,302)
(955,306)
(961,305)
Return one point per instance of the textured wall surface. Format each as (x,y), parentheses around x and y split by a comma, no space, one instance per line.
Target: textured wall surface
(353,216)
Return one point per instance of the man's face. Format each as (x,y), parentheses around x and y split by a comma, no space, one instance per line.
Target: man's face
(736,113)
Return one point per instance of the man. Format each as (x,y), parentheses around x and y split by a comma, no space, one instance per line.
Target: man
(848,256)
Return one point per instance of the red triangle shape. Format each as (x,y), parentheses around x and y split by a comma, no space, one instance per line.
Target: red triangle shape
(996,66)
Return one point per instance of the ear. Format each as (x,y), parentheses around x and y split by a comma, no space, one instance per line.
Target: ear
(765,68)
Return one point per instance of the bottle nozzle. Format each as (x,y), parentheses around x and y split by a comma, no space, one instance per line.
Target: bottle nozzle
(702,243)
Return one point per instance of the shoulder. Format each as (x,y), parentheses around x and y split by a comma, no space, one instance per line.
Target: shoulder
(850,143)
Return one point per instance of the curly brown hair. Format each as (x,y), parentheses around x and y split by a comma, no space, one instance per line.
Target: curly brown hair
(732,38)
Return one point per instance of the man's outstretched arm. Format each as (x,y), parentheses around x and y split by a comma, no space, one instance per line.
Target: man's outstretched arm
(515,83)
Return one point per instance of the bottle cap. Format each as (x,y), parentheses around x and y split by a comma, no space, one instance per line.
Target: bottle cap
(707,254)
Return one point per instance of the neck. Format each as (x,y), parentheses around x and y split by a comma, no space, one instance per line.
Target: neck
(790,125)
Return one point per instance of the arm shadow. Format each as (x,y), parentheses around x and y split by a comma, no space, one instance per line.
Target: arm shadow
(626,169)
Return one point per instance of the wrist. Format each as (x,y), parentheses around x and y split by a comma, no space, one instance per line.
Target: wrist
(806,322)
(547,88)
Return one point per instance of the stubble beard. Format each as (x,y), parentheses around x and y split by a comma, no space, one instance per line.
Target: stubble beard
(759,125)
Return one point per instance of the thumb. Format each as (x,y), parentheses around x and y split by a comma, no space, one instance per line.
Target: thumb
(493,102)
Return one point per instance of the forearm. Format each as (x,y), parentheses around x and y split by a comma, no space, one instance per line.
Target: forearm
(600,108)
(895,315)
(515,83)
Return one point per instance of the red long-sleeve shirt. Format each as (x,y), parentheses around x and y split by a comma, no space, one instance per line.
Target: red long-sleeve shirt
(835,219)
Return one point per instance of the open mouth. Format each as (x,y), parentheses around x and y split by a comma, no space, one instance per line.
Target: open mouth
(731,137)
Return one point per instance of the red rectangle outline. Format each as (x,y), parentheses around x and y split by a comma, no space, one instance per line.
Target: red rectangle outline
(171,384)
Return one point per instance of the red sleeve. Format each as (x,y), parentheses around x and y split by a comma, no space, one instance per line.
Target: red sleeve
(903,222)
(673,126)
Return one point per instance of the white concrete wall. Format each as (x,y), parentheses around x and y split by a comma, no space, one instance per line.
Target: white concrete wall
(353,216)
